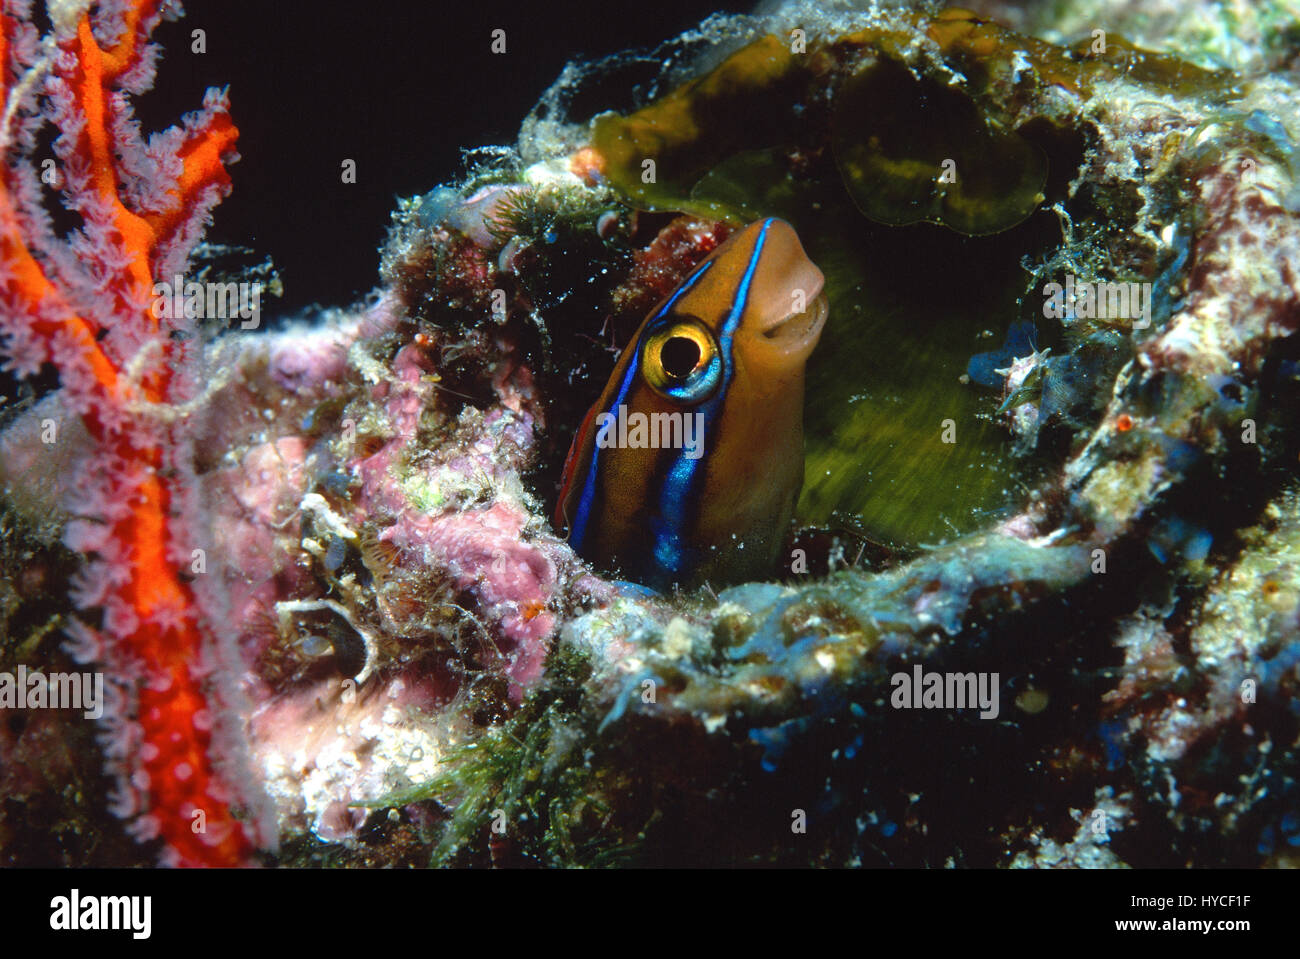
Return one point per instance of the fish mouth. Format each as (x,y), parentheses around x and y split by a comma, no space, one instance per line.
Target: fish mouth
(799,331)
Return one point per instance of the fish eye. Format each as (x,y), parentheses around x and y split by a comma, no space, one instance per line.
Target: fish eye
(679,356)
(681,360)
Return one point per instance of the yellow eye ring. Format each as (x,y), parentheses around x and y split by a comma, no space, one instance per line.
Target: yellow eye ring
(681,361)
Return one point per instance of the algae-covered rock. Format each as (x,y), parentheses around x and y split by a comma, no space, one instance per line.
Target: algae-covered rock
(1099,279)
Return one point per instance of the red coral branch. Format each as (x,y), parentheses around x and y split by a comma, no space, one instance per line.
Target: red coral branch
(84,303)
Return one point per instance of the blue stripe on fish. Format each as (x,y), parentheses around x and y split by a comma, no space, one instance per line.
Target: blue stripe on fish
(578,529)
(680,489)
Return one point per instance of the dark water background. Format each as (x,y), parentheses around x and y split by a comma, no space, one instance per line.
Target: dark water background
(399,86)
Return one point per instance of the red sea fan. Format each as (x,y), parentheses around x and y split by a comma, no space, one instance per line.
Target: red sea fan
(86,303)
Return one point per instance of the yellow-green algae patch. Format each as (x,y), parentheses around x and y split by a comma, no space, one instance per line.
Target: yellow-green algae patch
(920,151)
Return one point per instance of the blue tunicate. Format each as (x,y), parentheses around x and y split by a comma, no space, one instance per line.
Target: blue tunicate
(776,740)
(1271,671)
(1022,338)
(1266,839)
(1180,455)
(888,829)
(1111,734)
(1176,537)
(1197,546)
(773,745)
(628,588)
(1291,827)
(851,750)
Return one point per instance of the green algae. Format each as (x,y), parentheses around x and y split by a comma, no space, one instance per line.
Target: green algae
(654,156)
(892,137)
(526,786)
(991,57)
(895,443)
(916,150)
(898,445)
(894,116)
(909,306)
(918,182)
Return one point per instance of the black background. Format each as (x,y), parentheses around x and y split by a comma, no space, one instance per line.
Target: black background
(399,86)
(759,912)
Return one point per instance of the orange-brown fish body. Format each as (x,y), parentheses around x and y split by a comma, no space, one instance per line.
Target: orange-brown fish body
(688,466)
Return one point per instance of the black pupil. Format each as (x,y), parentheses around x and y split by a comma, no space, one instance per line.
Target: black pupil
(679,356)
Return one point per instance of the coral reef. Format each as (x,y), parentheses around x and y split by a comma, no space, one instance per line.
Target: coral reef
(1100,517)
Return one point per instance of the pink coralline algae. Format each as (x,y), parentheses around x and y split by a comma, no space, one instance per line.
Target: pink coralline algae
(377,575)
(513,581)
